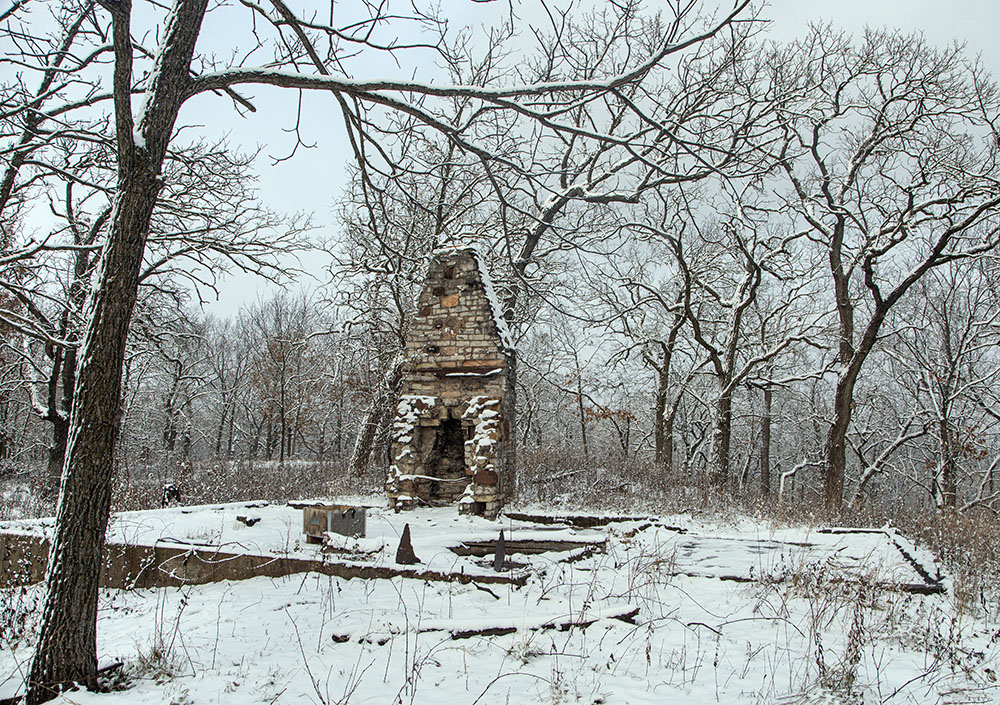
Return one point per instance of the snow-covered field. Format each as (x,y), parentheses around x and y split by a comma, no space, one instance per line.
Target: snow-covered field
(732,612)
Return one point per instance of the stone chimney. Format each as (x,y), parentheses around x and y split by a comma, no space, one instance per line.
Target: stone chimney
(453,433)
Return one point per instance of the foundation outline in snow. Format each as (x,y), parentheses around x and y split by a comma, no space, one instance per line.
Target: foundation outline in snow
(453,431)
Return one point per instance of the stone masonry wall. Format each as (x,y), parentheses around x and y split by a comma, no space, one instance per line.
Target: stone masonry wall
(459,370)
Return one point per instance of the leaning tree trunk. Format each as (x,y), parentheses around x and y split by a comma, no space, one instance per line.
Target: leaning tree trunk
(67,648)
(836,443)
(376,415)
(835,467)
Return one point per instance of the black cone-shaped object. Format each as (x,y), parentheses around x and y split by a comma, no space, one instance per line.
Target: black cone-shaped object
(498,558)
(405,554)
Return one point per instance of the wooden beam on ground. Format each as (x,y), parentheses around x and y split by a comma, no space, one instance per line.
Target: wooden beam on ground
(586,521)
(624,614)
(456,629)
(912,588)
(525,547)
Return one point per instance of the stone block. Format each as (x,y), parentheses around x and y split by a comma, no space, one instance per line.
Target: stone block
(487,478)
(340,519)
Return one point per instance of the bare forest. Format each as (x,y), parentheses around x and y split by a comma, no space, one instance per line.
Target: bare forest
(744,276)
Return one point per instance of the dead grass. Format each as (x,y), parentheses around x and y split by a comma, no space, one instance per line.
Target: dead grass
(608,482)
(968,546)
(242,481)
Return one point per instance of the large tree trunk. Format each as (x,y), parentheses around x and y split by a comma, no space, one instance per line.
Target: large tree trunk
(836,442)
(765,444)
(664,447)
(67,645)
(843,400)
(67,642)
(835,468)
(945,484)
(722,423)
(667,450)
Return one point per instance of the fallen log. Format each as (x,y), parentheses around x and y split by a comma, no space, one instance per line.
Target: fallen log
(587,521)
(456,629)
(911,588)
(525,547)
(583,521)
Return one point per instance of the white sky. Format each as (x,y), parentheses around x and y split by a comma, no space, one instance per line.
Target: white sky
(314,178)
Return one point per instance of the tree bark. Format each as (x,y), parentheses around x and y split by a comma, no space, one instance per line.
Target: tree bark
(663,423)
(945,484)
(765,444)
(67,643)
(835,467)
(843,400)
(664,446)
(375,416)
(57,453)
(721,438)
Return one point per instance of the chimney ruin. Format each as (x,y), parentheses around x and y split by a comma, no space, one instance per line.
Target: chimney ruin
(453,432)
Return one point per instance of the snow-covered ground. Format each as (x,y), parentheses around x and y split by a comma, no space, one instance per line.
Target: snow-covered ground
(733,612)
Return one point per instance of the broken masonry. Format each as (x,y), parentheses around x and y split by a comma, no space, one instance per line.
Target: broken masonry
(452,435)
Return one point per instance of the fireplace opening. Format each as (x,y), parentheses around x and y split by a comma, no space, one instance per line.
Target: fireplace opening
(447,461)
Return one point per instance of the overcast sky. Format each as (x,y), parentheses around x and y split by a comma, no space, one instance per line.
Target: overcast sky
(313,179)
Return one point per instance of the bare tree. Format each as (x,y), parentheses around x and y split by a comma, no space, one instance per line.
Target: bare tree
(284,372)
(943,354)
(313,54)
(724,255)
(58,149)
(641,306)
(228,359)
(890,153)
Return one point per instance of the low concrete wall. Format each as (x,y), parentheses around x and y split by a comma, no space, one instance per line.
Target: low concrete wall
(23,559)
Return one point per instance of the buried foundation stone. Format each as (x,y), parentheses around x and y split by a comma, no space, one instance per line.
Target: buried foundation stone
(453,432)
